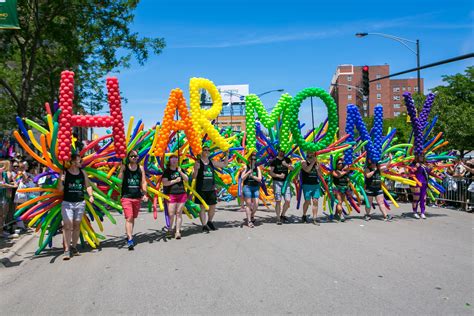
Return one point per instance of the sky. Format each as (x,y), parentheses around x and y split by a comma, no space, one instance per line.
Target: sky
(287,45)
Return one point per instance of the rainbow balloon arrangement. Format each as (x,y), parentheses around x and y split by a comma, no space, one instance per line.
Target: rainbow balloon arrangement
(103,156)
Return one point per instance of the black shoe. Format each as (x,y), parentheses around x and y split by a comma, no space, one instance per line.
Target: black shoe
(253,220)
(205,229)
(278,221)
(304,219)
(74,251)
(211,225)
(284,219)
(367,218)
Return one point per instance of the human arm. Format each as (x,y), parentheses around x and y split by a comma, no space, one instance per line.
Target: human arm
(287,163)
(89,189)
(183,174)
(143,184)
(222,164)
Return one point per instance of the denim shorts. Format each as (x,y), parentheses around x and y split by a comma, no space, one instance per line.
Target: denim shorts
(252,192)
(278,187)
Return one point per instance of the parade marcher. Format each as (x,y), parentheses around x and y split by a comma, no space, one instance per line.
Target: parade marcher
(133,192)
(279,172)
(205,186)
(341,181)
(173,186)
(251,176)
(310,177)
(419,191)
(373,189)
(73,181)
(5,195)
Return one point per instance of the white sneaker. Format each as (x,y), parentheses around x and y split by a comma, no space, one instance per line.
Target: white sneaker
(423,216)
(415,215)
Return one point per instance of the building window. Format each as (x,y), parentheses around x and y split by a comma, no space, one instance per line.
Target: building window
(349,88)
(349,78)
(379,96)
(396,113)
(377,76)
(403,88)
(396,105)
(349,97)
(415,89)
(396,98)
(396,89)
(379,86)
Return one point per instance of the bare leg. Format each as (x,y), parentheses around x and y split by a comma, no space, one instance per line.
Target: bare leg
(305,206)
(67,230)
(212,211)
(381,204)
(179,217)
(315,208)
(278,208)
(129,227)
(248,210)
(172,214)
(416,196)
(202,215)
(76,232)
(254,207)
(286,206)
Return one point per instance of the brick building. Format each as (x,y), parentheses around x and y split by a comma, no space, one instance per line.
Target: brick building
(347,82)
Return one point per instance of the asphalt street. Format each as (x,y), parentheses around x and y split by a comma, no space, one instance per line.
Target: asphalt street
(406,266)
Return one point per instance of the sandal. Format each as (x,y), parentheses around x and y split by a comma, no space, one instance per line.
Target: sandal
(250,225)
(177,235)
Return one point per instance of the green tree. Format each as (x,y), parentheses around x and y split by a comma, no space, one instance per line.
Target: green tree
(89,37)
(454,106)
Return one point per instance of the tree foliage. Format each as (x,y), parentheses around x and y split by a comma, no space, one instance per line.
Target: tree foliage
(454,106)
(89,37)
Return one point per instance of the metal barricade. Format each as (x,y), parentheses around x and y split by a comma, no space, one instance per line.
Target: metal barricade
(457,192)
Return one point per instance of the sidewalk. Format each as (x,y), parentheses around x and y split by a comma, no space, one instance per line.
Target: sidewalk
(10,247)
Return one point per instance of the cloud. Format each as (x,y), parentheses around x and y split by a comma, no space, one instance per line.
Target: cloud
(280,36)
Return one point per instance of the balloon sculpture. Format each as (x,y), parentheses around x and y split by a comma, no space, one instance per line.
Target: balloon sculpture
(185,136)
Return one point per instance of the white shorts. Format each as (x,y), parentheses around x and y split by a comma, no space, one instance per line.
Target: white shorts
(73,211)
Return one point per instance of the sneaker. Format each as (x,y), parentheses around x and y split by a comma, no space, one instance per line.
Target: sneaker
(75,252)
(367,218)
(284,219)
(67,255)
(206,229)
(130,244)
(343,219)
(415,215)
(14,235)
(211,225)
(253,220)
(316,222)
(423,216)
(278,221)
(304,219)
(388,218)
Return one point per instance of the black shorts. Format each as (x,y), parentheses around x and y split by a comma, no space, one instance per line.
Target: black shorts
(373,191)
(210,197)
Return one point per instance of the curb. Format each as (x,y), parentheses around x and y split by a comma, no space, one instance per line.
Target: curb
(15,249)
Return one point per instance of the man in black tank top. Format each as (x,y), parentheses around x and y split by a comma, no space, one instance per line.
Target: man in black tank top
(279,168)
(133,191)
(204,174)
(310,178)
(73,181)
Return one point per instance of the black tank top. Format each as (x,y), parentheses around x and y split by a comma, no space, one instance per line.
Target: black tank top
(310,177)
(342,181)
(375,181)
(74,185)
(251,182)
(205,177)
(131,183)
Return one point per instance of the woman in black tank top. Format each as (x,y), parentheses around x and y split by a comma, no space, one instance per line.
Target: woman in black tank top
(204,174)
(373,188)
(251,176)
(133,191)
(341,180)
(73,181)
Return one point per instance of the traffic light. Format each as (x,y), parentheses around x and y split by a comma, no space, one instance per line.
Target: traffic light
(365,80)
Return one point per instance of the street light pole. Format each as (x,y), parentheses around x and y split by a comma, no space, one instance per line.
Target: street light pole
(404,42)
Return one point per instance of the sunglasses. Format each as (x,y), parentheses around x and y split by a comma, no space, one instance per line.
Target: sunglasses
(15,166)
(253,158)
(206,150)
(133,156)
